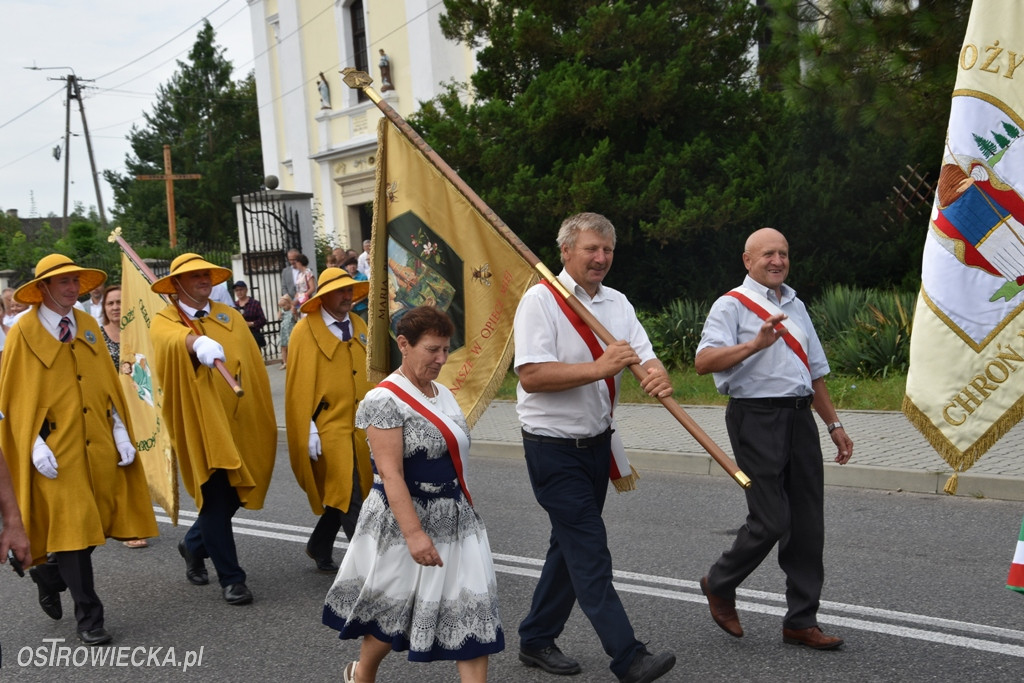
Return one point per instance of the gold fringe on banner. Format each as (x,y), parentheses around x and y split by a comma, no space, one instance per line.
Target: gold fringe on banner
(627,483)
(951,483)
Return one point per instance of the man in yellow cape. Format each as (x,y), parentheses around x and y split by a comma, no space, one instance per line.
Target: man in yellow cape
(225,443)
(68,442)
(326,380)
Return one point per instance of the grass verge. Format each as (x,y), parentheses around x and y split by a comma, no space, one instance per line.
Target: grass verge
(848,393)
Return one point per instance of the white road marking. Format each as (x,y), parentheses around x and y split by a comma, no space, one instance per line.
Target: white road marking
(759,602)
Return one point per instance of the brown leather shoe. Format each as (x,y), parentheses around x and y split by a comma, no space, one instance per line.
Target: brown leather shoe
(811,637)
(722,611)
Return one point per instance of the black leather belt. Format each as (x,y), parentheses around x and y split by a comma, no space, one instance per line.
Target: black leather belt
(585,442)
(797,402)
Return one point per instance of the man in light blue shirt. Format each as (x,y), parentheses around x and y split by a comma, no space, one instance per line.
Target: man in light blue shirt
(761,346)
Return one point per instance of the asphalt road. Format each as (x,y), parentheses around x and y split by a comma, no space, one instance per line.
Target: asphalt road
(914,583)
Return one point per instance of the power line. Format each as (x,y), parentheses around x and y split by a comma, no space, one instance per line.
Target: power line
(34,106)
(38,149)
(173,57)
(164,44)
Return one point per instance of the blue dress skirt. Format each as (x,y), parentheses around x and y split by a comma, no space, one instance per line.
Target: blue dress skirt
(436,613)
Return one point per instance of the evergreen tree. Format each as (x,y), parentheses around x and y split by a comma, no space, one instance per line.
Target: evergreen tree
(645,111)
(888,66)
(653,113)
(986,146)
(211,124)
(1011,130)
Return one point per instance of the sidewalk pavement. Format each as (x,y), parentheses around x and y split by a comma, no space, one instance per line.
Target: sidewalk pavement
(889,453)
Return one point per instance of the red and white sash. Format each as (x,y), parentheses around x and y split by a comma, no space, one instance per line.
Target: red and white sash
(763,308)
(454,437)
(619,460)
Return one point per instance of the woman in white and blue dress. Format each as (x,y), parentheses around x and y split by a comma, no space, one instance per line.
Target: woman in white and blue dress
(417,575)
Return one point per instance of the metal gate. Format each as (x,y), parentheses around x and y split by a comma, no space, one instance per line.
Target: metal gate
(269,230)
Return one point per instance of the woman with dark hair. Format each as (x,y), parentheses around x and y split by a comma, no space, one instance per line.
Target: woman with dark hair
(252,311)
(417,575)
(110,326)
(110,321)
(305,283)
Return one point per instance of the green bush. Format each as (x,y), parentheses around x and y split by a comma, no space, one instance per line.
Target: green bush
(836,311)
(866,333)
(675,331)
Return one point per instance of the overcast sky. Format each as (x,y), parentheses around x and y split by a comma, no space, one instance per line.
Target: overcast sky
(129,47)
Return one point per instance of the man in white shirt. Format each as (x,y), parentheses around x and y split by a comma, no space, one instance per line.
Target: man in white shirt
(568,387)
(364,260)
(219,292)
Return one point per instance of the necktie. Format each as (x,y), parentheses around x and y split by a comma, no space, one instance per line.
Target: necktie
(200,313)
(343,326)
(65,330)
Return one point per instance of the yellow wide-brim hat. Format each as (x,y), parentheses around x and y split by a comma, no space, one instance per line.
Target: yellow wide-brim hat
(52,266)
(188,263)
(333,279)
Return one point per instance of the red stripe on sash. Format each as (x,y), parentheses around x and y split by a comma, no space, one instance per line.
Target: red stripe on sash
(1016,578)
(790,340)
(449,438)
(590,339)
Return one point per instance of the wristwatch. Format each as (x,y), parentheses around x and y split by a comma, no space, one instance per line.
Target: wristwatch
(834,426)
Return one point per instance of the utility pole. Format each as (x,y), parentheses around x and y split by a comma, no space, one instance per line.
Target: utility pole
(88,145)
(67,152)
(74,91)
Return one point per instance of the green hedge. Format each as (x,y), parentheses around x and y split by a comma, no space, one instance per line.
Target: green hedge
(865,332)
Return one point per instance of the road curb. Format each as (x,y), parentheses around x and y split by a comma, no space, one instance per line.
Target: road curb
(855,476)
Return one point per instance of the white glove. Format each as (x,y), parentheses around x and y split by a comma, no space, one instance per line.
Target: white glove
(42,458)
(315,449)
(125,447)
(208,350)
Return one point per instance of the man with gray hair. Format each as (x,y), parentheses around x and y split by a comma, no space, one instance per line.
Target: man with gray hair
(568,389)
(288,274)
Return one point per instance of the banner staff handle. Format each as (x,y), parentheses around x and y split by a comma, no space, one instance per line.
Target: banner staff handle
(151,277)
(361,80)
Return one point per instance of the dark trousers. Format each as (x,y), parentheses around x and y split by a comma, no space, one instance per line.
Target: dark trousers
(211,535)
(72,570)
(321,541)
(571,484)
(778,448)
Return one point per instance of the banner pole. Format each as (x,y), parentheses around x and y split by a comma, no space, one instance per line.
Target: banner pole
(361,80)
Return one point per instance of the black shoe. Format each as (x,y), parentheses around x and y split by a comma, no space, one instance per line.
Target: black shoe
(195,569)
(549,659)
(324,565)
(237,594)
(647,667)
(49,599)
(96,636)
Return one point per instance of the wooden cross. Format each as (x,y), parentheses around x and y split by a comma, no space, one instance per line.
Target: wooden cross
(170,177)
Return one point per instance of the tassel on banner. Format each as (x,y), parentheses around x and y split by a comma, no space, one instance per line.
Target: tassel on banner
(627,483)
(951,484)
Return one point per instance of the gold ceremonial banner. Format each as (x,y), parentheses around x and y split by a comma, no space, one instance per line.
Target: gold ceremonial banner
(141,389)
(431,246)
(967,344)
